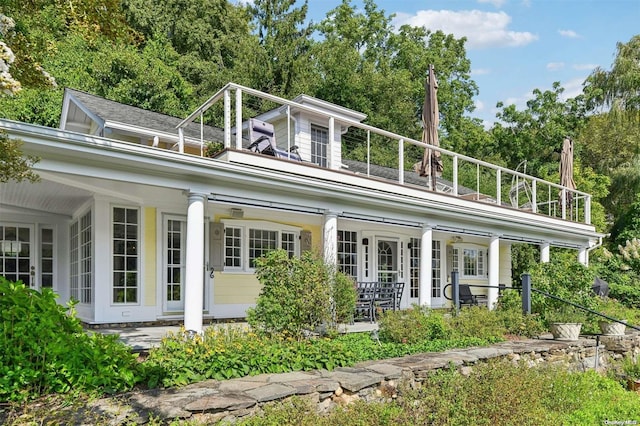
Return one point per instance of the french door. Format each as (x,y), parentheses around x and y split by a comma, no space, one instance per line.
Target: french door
(174,264)
(17,253)
(387,261)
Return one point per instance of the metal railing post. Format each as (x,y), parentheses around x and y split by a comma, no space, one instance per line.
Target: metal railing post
(526,293)
(455,290)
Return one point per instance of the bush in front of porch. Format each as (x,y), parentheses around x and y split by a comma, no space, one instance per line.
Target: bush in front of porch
(299,294)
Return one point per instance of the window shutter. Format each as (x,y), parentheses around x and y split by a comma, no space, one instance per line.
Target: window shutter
(216,246)
(305,241)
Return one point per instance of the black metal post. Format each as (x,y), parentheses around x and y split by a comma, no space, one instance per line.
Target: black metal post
(455,290)
(526,293)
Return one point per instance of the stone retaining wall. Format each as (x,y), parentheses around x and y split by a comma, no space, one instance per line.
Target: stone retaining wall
(212,400)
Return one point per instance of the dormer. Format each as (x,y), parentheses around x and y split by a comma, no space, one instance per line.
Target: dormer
(312,128)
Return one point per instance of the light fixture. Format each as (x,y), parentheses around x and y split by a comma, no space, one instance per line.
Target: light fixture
(237,213)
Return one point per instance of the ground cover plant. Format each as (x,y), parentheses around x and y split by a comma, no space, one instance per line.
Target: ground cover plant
(228,352)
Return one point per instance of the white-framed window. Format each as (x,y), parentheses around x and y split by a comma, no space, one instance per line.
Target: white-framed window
(319,145)
(348,253)
(81,259)
(175,262)
(436,272)
(470,261)
(126,248)
(414,268)
(246,241)
(46,257)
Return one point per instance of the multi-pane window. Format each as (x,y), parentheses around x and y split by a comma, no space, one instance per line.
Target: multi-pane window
(15,254)
(246,241)
(125,255)
(414,268)
(46,258)
(175,264)
(81,259)
(74,260)
(472,263)
(288,243)
(260,243)
(319,145)
(233,247)
(348,253)
(436,273)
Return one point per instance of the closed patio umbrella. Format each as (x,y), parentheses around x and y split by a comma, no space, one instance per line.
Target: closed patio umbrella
(431,162)
(566,171)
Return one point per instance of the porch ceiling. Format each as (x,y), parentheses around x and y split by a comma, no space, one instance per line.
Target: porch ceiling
(44,196)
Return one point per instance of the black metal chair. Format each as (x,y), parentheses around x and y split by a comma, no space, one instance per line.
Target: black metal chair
(467,298)
(365,296)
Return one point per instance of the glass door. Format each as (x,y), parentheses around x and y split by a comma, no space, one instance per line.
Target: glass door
(16,253)
(174,249)
(387,261)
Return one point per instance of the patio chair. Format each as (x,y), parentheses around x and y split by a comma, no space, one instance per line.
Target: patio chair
(399,290)
(467,298)
(365,295)
(262,137)
(385,298)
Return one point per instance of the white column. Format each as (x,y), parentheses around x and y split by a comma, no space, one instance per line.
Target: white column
(330,238)
(494,270)
(426,270)
(194,274)
(583,256)
(544,252)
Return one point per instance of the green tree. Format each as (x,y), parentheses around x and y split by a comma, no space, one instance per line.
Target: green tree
(535,134)
(618,88)
(13,165)
(286,42)
(364,64)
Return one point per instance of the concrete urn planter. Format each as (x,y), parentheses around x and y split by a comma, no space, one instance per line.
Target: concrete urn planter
(612,328)
(566,330)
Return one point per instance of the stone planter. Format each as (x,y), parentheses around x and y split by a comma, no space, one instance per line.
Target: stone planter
(612,328)
(566,330)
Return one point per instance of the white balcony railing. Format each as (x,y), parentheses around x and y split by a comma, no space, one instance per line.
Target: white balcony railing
(463,176)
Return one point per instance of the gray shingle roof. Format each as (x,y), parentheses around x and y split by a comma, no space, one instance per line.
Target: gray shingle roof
(126,114)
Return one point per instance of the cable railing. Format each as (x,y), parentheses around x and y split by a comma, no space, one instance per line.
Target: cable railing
(350,146)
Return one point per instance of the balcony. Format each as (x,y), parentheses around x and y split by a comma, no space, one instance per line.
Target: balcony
(348,152)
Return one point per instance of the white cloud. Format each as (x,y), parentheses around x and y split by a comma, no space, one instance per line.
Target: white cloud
(480,71)
(479,105)
(482,29)
(554,66)
(582,67)
(568,33)
(573,87)
(497,3)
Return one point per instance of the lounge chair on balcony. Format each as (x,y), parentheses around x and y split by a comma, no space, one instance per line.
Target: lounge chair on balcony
(263,140)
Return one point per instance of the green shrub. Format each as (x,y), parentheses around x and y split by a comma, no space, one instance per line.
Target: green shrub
(566,279)
(344,297)
(44,349)
(478,321)
(412,325)
(627,294)
(509,310)
(299,294)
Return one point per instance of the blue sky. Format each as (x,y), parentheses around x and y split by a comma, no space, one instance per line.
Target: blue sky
(516,46)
